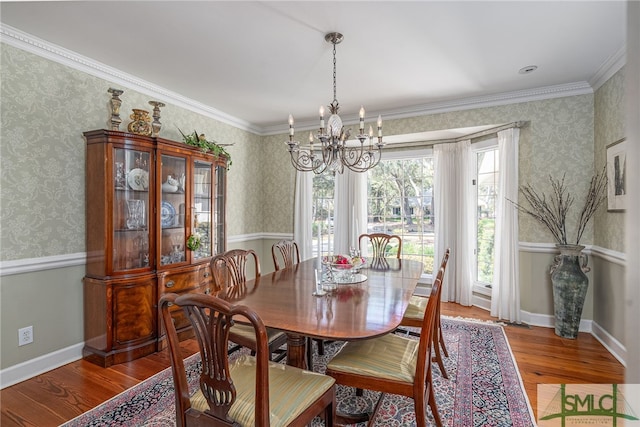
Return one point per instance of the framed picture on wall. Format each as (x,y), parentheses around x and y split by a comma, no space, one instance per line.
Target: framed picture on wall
(617,175)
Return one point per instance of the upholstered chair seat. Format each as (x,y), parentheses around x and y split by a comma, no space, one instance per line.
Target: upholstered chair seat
(379,358)
(291,391)
(416,308)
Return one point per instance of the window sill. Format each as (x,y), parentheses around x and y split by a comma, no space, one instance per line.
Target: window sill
(482,290)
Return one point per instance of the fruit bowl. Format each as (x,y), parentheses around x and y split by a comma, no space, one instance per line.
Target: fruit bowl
(344,263)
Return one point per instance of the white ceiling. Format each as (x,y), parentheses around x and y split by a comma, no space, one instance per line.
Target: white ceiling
(260,61)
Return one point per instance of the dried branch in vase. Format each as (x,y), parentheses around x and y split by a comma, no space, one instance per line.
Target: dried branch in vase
(551,210)
(595,197)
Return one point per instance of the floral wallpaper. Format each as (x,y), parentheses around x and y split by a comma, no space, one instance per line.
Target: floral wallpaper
(279,185)
(609,127)
(46,106)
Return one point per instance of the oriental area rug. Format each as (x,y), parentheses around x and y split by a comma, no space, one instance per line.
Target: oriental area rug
(484,388)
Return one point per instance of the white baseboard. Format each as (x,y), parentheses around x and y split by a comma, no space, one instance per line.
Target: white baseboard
(547,321)
(614,346)
(45,363)
(609,342)
(481,301)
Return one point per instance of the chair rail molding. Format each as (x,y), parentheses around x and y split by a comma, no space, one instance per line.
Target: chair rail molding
(610,255)
(29,265)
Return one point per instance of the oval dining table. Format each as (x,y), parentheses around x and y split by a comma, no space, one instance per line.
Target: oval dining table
(372,307)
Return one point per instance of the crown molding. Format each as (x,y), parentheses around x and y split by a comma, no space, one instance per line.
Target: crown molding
(506,98)
(611,66)
(27,42)
(21,40)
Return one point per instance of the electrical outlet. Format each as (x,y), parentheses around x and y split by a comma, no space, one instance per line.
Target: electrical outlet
(25,335)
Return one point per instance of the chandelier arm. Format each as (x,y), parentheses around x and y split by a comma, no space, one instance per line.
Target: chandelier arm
(370,160)
(379,157)
(352,156)
(321,168)
(302,160)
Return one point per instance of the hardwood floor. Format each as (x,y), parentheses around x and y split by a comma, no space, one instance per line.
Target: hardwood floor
(64,393)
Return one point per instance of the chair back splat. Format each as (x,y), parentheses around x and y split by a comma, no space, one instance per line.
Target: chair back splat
(230,269)
(381,243)
(285,254)
(239,393)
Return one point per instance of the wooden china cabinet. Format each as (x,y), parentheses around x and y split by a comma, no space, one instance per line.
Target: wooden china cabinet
(145,197)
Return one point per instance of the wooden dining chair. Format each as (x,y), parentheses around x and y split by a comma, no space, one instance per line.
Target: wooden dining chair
(381,244)
(230,277)
(393,364)
(415,312)
(247,391)
(286,254)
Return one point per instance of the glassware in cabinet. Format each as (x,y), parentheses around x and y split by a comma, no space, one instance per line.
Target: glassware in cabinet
(130,209)
(173,221)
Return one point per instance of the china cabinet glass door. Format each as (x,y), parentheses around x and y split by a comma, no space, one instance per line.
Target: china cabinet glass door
(131,209)
(219,220)
(202,214)
(173,219)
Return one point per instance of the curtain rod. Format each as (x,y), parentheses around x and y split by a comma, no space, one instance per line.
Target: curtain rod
(479,134)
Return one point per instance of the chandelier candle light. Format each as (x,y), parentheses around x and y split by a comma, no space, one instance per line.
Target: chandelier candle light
(333,152)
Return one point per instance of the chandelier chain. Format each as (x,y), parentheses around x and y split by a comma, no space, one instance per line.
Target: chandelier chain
(335,97)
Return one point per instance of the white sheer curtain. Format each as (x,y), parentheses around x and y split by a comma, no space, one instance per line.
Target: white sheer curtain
(505,293)
(302,214)
(350,205)
(453,222)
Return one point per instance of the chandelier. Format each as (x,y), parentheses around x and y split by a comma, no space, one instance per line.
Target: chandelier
(334,151)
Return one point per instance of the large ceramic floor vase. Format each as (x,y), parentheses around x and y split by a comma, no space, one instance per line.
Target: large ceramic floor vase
(570,285)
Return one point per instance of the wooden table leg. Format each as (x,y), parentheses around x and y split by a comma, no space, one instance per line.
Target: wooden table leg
(296,350)
(343,419)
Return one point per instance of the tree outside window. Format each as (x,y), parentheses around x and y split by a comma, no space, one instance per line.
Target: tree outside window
(400,201)
(487,174)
